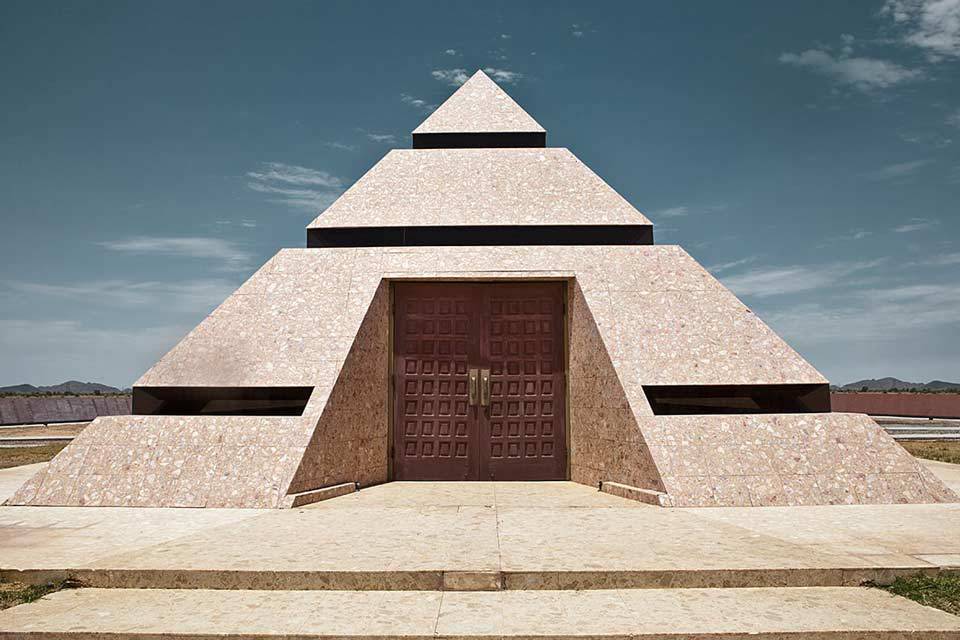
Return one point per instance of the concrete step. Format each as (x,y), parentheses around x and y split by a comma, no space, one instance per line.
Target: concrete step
(806,613)
(470,580)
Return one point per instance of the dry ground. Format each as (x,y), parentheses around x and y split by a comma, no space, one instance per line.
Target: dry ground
(16,456)
(942,451)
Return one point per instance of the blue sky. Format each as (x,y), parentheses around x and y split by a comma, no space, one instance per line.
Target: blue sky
(153,155)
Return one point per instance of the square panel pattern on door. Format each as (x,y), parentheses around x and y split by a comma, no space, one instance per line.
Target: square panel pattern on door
(435,430)
(526,432)
(441,332)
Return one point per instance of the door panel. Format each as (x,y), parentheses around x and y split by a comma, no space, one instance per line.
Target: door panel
(435,429)
(524,430)
(515,429)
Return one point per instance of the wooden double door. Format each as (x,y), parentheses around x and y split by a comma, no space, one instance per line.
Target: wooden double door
(479,381)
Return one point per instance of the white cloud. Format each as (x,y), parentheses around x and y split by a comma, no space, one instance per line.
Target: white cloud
(672,212)
(865,74)
(954,119)
(297,187)
(451,52)
(941,260)
(419,103)
(452,77)
(931,25)
(190,296)
(916,224)
(387,138)
(503,75)
(340,145)
(249,224)
(48,351)
(765,282)
(882,313)
(504,36)
(933,139)
(231,255)
(726,266)
(293,174)
(683,210)
(577,34)
(898,170)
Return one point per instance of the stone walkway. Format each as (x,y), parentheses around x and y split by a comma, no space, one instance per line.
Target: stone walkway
(815,613)
(477,561)
(12,478)
(949,473)
(478,536)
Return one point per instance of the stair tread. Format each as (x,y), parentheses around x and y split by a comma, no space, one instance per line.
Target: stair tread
(814,612)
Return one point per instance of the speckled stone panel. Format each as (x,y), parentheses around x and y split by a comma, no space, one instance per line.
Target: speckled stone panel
(350,441)
(638,315)
(605,441)
(174,461)
(451,187)
(784,460)
(479,106)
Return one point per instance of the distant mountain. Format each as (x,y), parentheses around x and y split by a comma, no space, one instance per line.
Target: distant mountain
(70,386)
(888,384)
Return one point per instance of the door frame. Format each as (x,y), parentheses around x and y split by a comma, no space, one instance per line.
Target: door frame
(567,282)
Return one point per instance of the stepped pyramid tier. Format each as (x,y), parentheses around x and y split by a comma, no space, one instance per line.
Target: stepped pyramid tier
(482,307)
(479,114)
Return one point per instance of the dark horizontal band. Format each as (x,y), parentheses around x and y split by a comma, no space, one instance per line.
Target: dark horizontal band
(745,398)
(475,236)
(220,401)
(479,140)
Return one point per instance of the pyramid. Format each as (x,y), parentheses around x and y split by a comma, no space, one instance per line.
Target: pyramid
(479,114)
(481,307)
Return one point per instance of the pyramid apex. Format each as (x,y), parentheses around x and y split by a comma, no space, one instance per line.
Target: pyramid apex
(479,114)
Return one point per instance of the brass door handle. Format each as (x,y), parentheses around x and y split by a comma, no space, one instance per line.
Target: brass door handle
(472,386)
(485,387)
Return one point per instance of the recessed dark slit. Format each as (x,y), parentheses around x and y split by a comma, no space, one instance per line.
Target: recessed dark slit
(220,401)
(753,398)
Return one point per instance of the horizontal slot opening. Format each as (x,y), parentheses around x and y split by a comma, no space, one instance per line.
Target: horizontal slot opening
(491,140)
(220,401)
(719,399)
(488,235)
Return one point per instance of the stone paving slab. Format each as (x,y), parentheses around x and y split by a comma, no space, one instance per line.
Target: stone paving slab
(12,478)
(948,473)
(817,612)
(474,537)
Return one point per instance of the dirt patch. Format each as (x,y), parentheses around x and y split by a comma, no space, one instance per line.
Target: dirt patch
(44,430)
(941,451)
(17,456)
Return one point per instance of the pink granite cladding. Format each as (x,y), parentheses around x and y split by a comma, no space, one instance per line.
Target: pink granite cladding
(663,318)
(234,461)
(785,459)
(605,441)
(479,106)
(173,461)
(456,187)
(350,441)
(319,317)
(291,324)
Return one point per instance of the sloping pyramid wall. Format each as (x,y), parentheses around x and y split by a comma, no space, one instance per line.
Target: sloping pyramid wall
(637,315)
(350,441)
(606,443)
(250,461)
